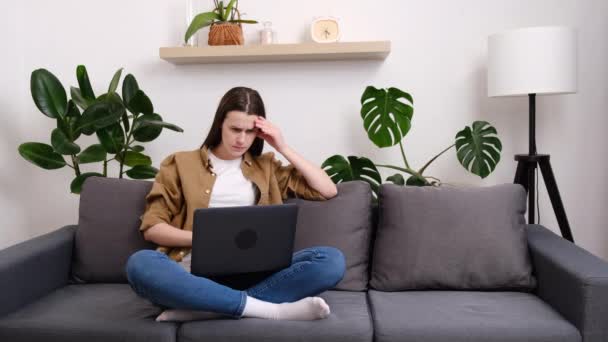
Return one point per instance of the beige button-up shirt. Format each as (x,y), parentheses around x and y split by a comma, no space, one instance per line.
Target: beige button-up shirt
(185,183)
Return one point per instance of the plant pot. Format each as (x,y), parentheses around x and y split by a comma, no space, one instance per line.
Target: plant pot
(226,34)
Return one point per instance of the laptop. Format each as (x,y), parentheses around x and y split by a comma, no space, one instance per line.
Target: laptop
(240,246)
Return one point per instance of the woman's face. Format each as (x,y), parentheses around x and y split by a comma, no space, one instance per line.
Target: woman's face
(238,134)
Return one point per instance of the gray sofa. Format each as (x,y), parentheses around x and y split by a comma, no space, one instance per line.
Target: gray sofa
(423,265)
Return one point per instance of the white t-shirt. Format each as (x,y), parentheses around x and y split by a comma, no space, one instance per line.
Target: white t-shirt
(231,189)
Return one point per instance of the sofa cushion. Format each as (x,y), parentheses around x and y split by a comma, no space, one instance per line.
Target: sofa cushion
(349,321)
(90,312)
(108,228)
(451,238)
(464,316)
(343,222)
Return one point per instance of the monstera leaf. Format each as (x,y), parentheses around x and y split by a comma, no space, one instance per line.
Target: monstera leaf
(478,148)
(385,118)
(396,179)
(415,180)
(355,168)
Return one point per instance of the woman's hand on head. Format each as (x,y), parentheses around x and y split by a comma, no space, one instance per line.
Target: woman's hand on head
(270,133)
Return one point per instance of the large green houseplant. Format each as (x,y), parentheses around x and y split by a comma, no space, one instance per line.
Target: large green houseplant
(118,122)
(387,118)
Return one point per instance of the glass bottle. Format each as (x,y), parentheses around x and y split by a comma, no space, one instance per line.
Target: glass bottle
(267,35)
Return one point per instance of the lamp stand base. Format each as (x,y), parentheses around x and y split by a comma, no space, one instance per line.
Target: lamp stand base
(526,165)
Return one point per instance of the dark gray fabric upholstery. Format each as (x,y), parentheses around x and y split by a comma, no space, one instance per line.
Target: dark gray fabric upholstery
(33,268)
(108,228)
(571,280)
(38,304)
(109,220)
(349,321)
(463,238)
(343,222)
(87,312)
(465,316)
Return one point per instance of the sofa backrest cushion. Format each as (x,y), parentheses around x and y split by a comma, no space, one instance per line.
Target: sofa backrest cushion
(344,222)
(108,228)
(463,238)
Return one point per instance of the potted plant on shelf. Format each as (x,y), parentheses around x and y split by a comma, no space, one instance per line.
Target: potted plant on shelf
(387,118)
(225,24)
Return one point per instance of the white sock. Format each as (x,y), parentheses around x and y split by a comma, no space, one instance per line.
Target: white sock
(178,315)
(306,309)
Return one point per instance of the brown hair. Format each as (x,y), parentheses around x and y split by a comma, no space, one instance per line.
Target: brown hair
(241,99)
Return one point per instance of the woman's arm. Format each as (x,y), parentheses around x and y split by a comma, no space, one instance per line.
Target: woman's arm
(163,202)
(164,234)
(314,175)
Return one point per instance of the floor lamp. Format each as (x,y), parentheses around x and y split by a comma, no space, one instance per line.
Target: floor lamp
(528,62)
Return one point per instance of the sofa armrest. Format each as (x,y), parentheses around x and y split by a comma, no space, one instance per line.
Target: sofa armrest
(573,281)
(35,267)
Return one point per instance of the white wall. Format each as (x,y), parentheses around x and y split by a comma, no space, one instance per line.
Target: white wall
(438,55)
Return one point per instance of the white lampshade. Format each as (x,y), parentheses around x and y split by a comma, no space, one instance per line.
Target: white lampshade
(534,60)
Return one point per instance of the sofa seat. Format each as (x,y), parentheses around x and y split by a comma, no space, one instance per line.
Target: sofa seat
(463,316)
(91,312)
(350,321)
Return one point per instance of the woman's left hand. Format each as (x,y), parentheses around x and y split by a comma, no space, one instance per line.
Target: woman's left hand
(270,133)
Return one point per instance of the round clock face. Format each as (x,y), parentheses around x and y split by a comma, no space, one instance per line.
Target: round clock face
(325,30)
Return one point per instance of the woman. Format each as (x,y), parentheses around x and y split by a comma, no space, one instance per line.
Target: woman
(230,170)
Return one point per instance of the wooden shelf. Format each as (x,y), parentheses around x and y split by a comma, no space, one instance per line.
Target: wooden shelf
(374,50)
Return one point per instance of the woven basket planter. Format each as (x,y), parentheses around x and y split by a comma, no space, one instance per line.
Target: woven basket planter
(226,34)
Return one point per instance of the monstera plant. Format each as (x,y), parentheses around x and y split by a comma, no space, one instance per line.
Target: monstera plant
(387,118)
(118,122)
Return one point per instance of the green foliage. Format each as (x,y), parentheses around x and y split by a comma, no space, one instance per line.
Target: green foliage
(387,119)
(118,122)
(478,148)
(355,168)
(220,14)
(41,155)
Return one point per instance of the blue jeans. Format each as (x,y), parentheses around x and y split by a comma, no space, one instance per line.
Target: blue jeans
(154,276)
